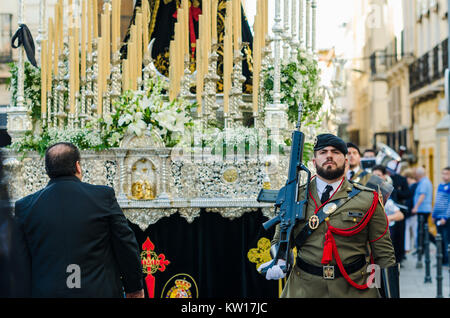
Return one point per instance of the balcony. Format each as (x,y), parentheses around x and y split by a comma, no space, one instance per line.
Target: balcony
(428,68)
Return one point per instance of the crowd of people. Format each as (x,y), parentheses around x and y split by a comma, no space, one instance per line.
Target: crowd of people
(410,206)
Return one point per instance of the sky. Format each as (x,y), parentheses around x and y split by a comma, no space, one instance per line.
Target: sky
(330,15)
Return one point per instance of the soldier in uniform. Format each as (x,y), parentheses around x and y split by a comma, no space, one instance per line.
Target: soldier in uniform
(342,221)
(355,173)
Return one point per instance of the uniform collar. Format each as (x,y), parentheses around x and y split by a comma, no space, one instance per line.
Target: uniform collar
(342,193)
(64,178)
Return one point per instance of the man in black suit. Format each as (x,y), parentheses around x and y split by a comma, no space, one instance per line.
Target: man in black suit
(77,238)
(400,195)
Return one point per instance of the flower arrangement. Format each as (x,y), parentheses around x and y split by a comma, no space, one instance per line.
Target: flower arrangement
(300,82)
(136,112)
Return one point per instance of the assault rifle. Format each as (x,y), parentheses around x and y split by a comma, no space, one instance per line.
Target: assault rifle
(291,210)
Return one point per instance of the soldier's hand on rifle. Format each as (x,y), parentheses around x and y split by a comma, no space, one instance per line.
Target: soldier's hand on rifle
(275,272)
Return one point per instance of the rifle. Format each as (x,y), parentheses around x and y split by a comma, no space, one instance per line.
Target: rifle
(286,200)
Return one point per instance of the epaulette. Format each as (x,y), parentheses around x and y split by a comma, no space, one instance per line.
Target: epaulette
(361,187)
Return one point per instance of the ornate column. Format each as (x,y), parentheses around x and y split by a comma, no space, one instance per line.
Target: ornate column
(121,153)
(308,25)
(301,28)
(18,119)
(276,116)
(294,39)
(314,24)
(286,35)
(41,30)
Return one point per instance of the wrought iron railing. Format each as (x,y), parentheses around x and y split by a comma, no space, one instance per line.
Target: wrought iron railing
(429,67)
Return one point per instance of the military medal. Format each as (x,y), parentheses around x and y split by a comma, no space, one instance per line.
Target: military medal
(314,222)
(329,208)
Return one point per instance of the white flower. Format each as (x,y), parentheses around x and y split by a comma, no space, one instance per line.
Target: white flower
(125,119)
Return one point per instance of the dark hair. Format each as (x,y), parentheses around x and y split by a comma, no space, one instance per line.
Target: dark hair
(370,150)
(352,145)
(381,168)
(60,160)
(447,168)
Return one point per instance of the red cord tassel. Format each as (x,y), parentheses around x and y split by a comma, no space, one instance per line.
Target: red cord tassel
(327,255)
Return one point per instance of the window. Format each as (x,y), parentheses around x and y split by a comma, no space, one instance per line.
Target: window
(5,37)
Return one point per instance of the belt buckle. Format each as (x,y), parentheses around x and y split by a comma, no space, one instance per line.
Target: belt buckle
(328,272)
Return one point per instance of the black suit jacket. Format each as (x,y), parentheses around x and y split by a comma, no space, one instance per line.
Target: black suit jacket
(70,222)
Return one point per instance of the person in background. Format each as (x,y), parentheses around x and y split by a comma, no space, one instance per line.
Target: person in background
(410,219)
(423,197)
(400,194)
(441,211)
(393,212)
(355,173)
(369,153)
(14,274)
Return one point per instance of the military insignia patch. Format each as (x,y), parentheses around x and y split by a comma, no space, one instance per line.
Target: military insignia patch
(314,222)
(329,208)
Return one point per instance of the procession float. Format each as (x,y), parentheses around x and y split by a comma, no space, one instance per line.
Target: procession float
(187,115)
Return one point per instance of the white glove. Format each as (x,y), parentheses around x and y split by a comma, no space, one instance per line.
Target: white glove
(275,272)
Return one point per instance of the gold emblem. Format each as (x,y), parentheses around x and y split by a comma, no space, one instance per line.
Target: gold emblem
(260,254)
(314,222)
(183,286)
(328,272)
(329,208)
(230,175)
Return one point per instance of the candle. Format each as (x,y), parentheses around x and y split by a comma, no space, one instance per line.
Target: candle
(184,20)
(43,78)
(228,57)
(100,77)
(49,56)
(256,54)
(172,69)
(139,45)
(107,39)
(214,21)
(72,72)
(118,37)
(83,40)
(125,75)
(145,21)
(89,26)
(199,74)
(114,27)
(95,13)
(57,35)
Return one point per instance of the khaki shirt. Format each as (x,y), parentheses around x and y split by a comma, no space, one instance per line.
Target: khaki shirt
(302,284)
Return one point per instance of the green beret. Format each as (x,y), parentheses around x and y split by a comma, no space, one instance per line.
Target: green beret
(325,140)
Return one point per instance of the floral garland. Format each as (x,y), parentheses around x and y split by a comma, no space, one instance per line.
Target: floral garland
(134,113)
(32,88)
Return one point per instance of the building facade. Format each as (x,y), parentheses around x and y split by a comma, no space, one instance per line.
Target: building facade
(400,87)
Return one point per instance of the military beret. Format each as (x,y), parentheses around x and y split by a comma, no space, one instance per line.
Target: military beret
(325,140)
(352,145)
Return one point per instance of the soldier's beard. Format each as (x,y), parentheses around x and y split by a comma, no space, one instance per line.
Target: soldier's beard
(329,173)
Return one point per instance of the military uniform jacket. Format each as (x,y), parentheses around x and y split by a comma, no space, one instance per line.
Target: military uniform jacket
(361,177)
(375,236)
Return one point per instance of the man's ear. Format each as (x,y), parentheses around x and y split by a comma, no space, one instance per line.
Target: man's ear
(78,167)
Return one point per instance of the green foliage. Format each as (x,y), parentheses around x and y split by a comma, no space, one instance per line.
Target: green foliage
(32,88)
(300,82)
